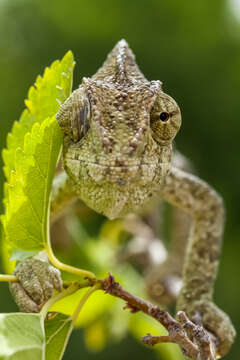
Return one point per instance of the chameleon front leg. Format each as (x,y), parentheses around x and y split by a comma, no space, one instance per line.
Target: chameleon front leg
(206,207)
(164,280)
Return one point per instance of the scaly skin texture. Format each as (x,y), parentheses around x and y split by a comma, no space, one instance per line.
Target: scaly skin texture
(164,280)
(117,153)
(37,280)
(115,158)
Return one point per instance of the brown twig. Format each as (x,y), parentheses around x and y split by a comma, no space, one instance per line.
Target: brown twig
(193,340)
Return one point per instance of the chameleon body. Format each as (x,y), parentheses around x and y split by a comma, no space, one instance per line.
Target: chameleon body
(117,155)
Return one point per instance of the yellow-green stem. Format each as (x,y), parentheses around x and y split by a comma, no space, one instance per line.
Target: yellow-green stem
(69,291)
(83,301)
(68,268)
(58,264)
(8,278)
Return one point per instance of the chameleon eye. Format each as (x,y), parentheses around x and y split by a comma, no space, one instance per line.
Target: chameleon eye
(80,121)
(164,124)
(164,116)
(74,115)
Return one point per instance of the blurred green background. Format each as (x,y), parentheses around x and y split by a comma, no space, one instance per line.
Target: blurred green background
(193,47)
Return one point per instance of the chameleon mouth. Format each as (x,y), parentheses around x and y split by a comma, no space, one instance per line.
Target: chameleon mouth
(140,169)
(116,164)
(117,174)
(104,166)
(122,175)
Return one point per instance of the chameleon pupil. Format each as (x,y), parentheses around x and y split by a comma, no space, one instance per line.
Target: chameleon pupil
(164,116)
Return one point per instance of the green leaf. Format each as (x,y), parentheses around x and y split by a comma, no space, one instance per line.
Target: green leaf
(28,191)
(24,337)
(58,330)
(43,101)
(30,159)
(21,337)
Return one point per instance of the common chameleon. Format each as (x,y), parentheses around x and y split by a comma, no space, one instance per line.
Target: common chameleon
(118,155)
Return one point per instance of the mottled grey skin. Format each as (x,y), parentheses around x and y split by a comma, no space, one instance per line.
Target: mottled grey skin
(37,280)
(164,280)
(117,155)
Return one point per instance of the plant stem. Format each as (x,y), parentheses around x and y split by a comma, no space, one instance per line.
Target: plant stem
(76,313)
(65,267)
(83,301)
(69,291)
(8,278)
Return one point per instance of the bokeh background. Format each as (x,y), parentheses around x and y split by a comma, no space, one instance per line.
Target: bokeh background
(193,47)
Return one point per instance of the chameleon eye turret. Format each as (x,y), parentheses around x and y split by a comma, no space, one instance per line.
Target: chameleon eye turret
(74,115)
(165,119)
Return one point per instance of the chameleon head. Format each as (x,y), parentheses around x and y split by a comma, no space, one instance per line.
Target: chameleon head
(119,129)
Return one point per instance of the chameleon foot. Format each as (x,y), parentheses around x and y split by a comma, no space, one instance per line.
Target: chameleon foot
(37,280)
(215,321)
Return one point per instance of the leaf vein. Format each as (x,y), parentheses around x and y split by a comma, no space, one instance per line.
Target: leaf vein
(58,330)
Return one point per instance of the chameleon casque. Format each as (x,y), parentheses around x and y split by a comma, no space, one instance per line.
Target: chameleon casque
(118,156)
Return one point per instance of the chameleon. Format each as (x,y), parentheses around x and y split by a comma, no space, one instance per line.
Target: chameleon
(118,158)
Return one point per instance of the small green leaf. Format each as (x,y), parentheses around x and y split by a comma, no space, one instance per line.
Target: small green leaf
(21,337)
(28,191)
(30,159)
(43,101)
(58,330)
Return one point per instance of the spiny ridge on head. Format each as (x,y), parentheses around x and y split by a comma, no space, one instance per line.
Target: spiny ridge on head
(124,56)
(120,66)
